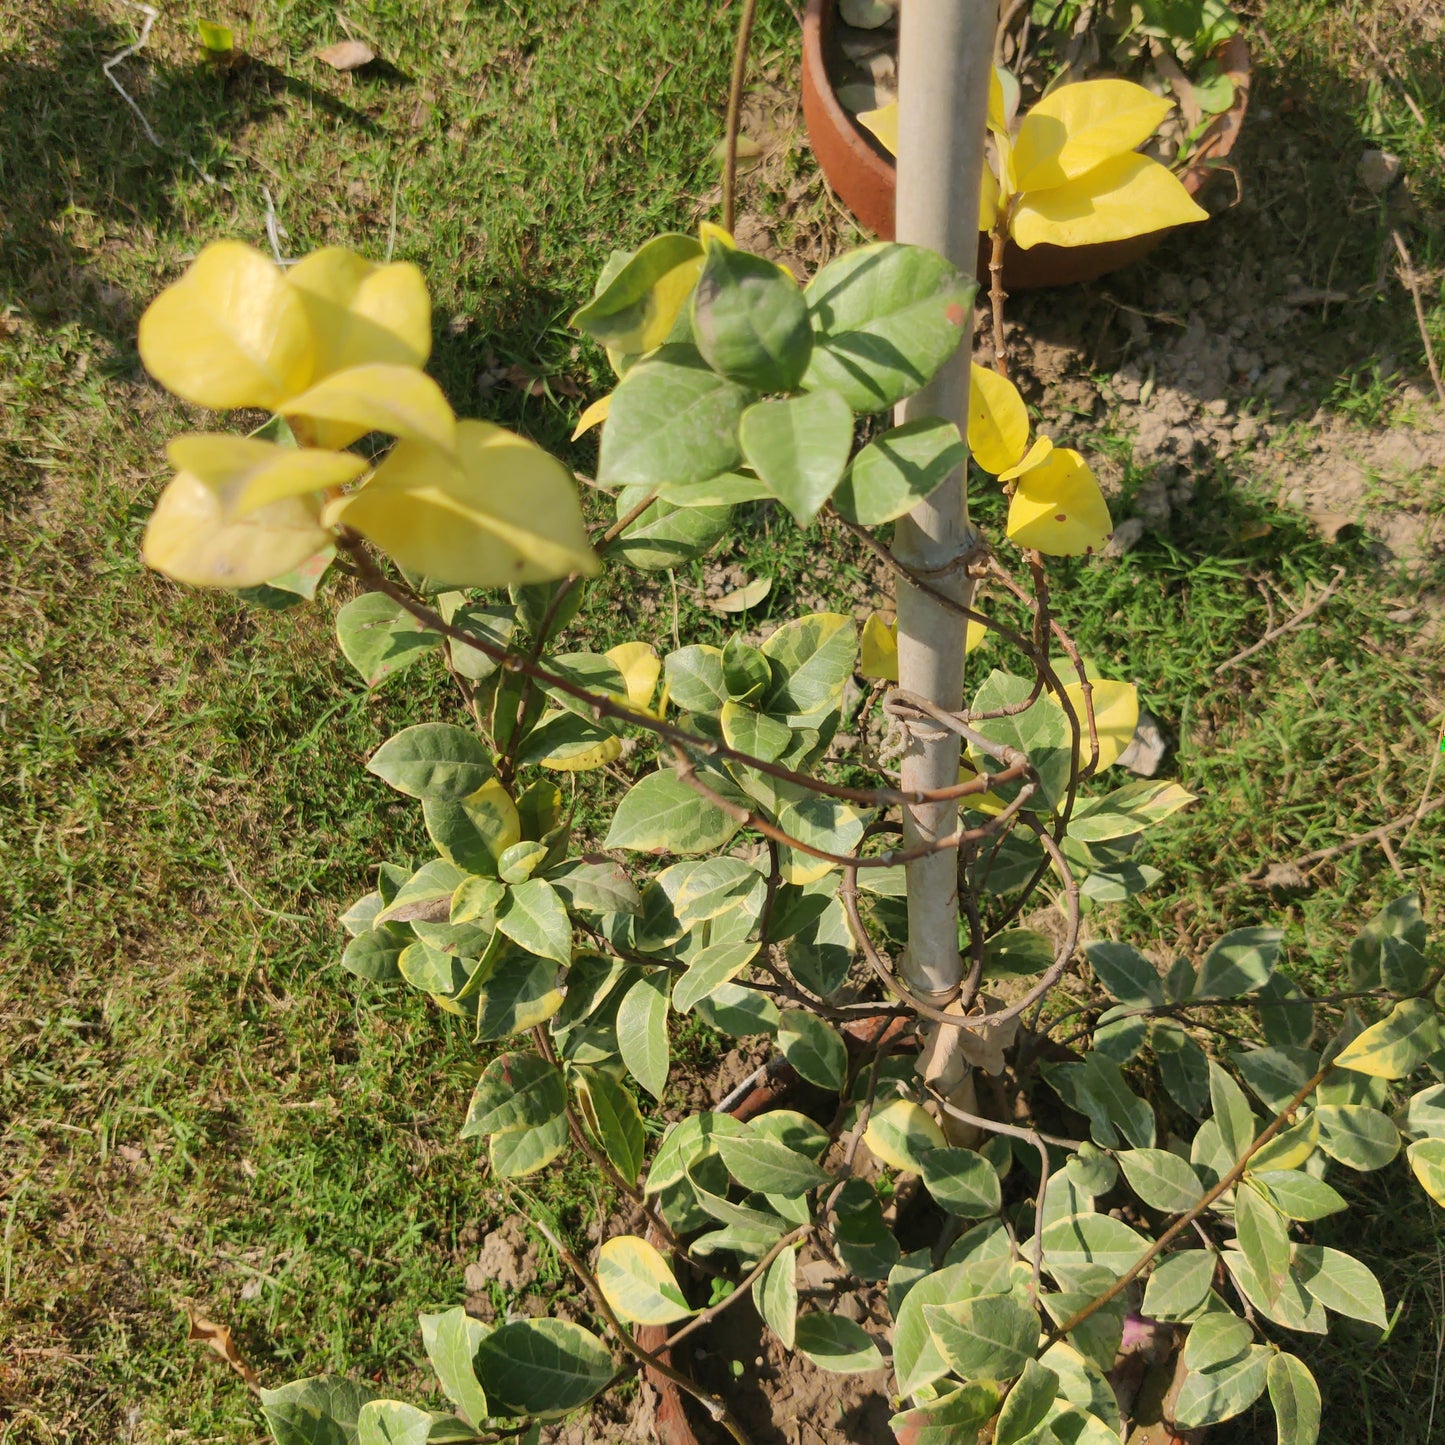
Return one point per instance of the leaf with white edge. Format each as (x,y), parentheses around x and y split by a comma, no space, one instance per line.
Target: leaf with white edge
(1296,1400)
(516,1091)
(949,1418)
(750,321)
(902,1134)
(767,1166)
(1219,1392)
(1162,1180)
(320,1410)
(662,814)
(812,659)
(1341,1283)
(1264,1238)
(696,680)
(864,1244)
(1397,1045)
(542,1367)
(685,1142)
(451,1341)
(1104,1082)
(836,1344)
(916,1359)
(1083,1384)
(815,1049)
(1183,1067)
(520,993)
(1401,919)
(989,1337)
(392,1422)
(1217,1339)
(378,638)
(885,317)
(709,970)
(637,1282)
(1298,1195)
(799,446)
(1293,1307)
(1180,1285)
(613,1118)
(739,1012)
(961,1182)
(1232,1114)
(1427,1162)
(533,917)
(1276,1075)
(1028,1402)
(642,1031)
(775,1293)
(597,888)
(521,1152)
(1357,1135)
(1240,963)
(673,419)
(1075,1245)
(897,470)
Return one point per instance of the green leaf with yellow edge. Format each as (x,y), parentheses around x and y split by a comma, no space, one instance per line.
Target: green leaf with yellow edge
(990,1337)
(230,333)
(812,658)
(775,1293)
(957,1415)
(1130,809)
(1296,1400)
(885,317)
(961,1182)
(499,511)
(750,322)
(813,1048)
(1290,1148)
(709,970)
(398,400)
(433,760)
(754,733)
(1427,1161)
(799,446)
(535,917)
(998,421)
(1130,195)
(897,470)
(635,310)
(520,1152)
(1397,1045)
(902,1134)
(613,1118)
(1058,509)
(836,1344)
(361,311)
(515,1091)
(542,1367)
(473,832)
(520,993)
(642,1031)
(246,474)
(1075,127)
(637,1282)
(1341,1283)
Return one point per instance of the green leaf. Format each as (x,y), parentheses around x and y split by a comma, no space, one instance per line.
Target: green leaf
(1040,730)
(634,302)
(708,971)
(746,673)
(750,321)
(642,1031)
(1217,1339)
(534,918)
(1293,1307)
(451,1341)
(515,1091)
(755,733)
(897,470)
(1427,1162)
(1183,1067)
(492,623)
(811,658)
(767,1166)
(665,534)
(672,419)
(813,1048)
(836,1344)
(739,1012)
(1232,1114)
(775,1292)
(696,679)
(1239,963)
(1400,919)
(1120,1034)
(614,1120)
(376,955)
(950,1418)
(599,888)
(1162,1180)
(685,1142)
(865,1245)
(1397,1045)
(1357,1135)
(379,638)
(662,814)
(1289,1017)
(542,1367)
(962,1182)
(1074,1244)
(391,1422)
(520,993)
(321,1410)
(820,954)
(637,1282)
(1180,1285)
(1276,1075)
(1296,1400)
(1341,1283)
(1125,974)
(1298,1195)
(1264,1238)
(885,317)
(1028,1402)
(989,1337)
(433,760)
(1097,1339)
(1222,1391)
(799,446)
(916,1359)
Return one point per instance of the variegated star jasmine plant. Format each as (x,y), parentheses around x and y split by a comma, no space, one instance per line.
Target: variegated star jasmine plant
(1143,1178)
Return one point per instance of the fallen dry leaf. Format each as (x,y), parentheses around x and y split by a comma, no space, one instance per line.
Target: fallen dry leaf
(347,55)
(744,597)
(218,1338)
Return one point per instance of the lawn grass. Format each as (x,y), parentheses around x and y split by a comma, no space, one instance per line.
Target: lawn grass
(197,1106)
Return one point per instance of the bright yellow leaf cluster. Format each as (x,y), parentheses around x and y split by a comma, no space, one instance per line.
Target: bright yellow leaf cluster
(878,646)
(1057,507)
(641,668)
(1070,175)
(335,346)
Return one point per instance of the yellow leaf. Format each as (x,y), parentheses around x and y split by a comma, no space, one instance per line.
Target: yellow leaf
(989,804)
(498,511)
(801,869)
(1034,457)
(1290,1148)
(361,312)
(1058,508)
(711,234)
(1127,196)
(1076,127)
(998,422)
(229,333)
(1116,715)
(399,400)
(640,668)
(494,815)
(997,112)
(189,539)
(595,415)
(878,648)
(580,759)
(988,199)
(901,1133)
(637,1283)
(640,305)
(883,125)
(245,474)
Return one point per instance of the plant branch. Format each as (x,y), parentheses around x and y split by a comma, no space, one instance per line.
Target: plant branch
(735,112)
(713,1311)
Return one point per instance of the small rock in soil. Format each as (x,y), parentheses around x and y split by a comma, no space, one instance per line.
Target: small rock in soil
(1147,748)
(868,14)
(1379,170)
(1127,536)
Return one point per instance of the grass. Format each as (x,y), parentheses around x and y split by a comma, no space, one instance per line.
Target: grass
(199,1106)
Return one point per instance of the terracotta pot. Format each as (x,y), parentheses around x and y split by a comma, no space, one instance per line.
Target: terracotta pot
(863,174)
